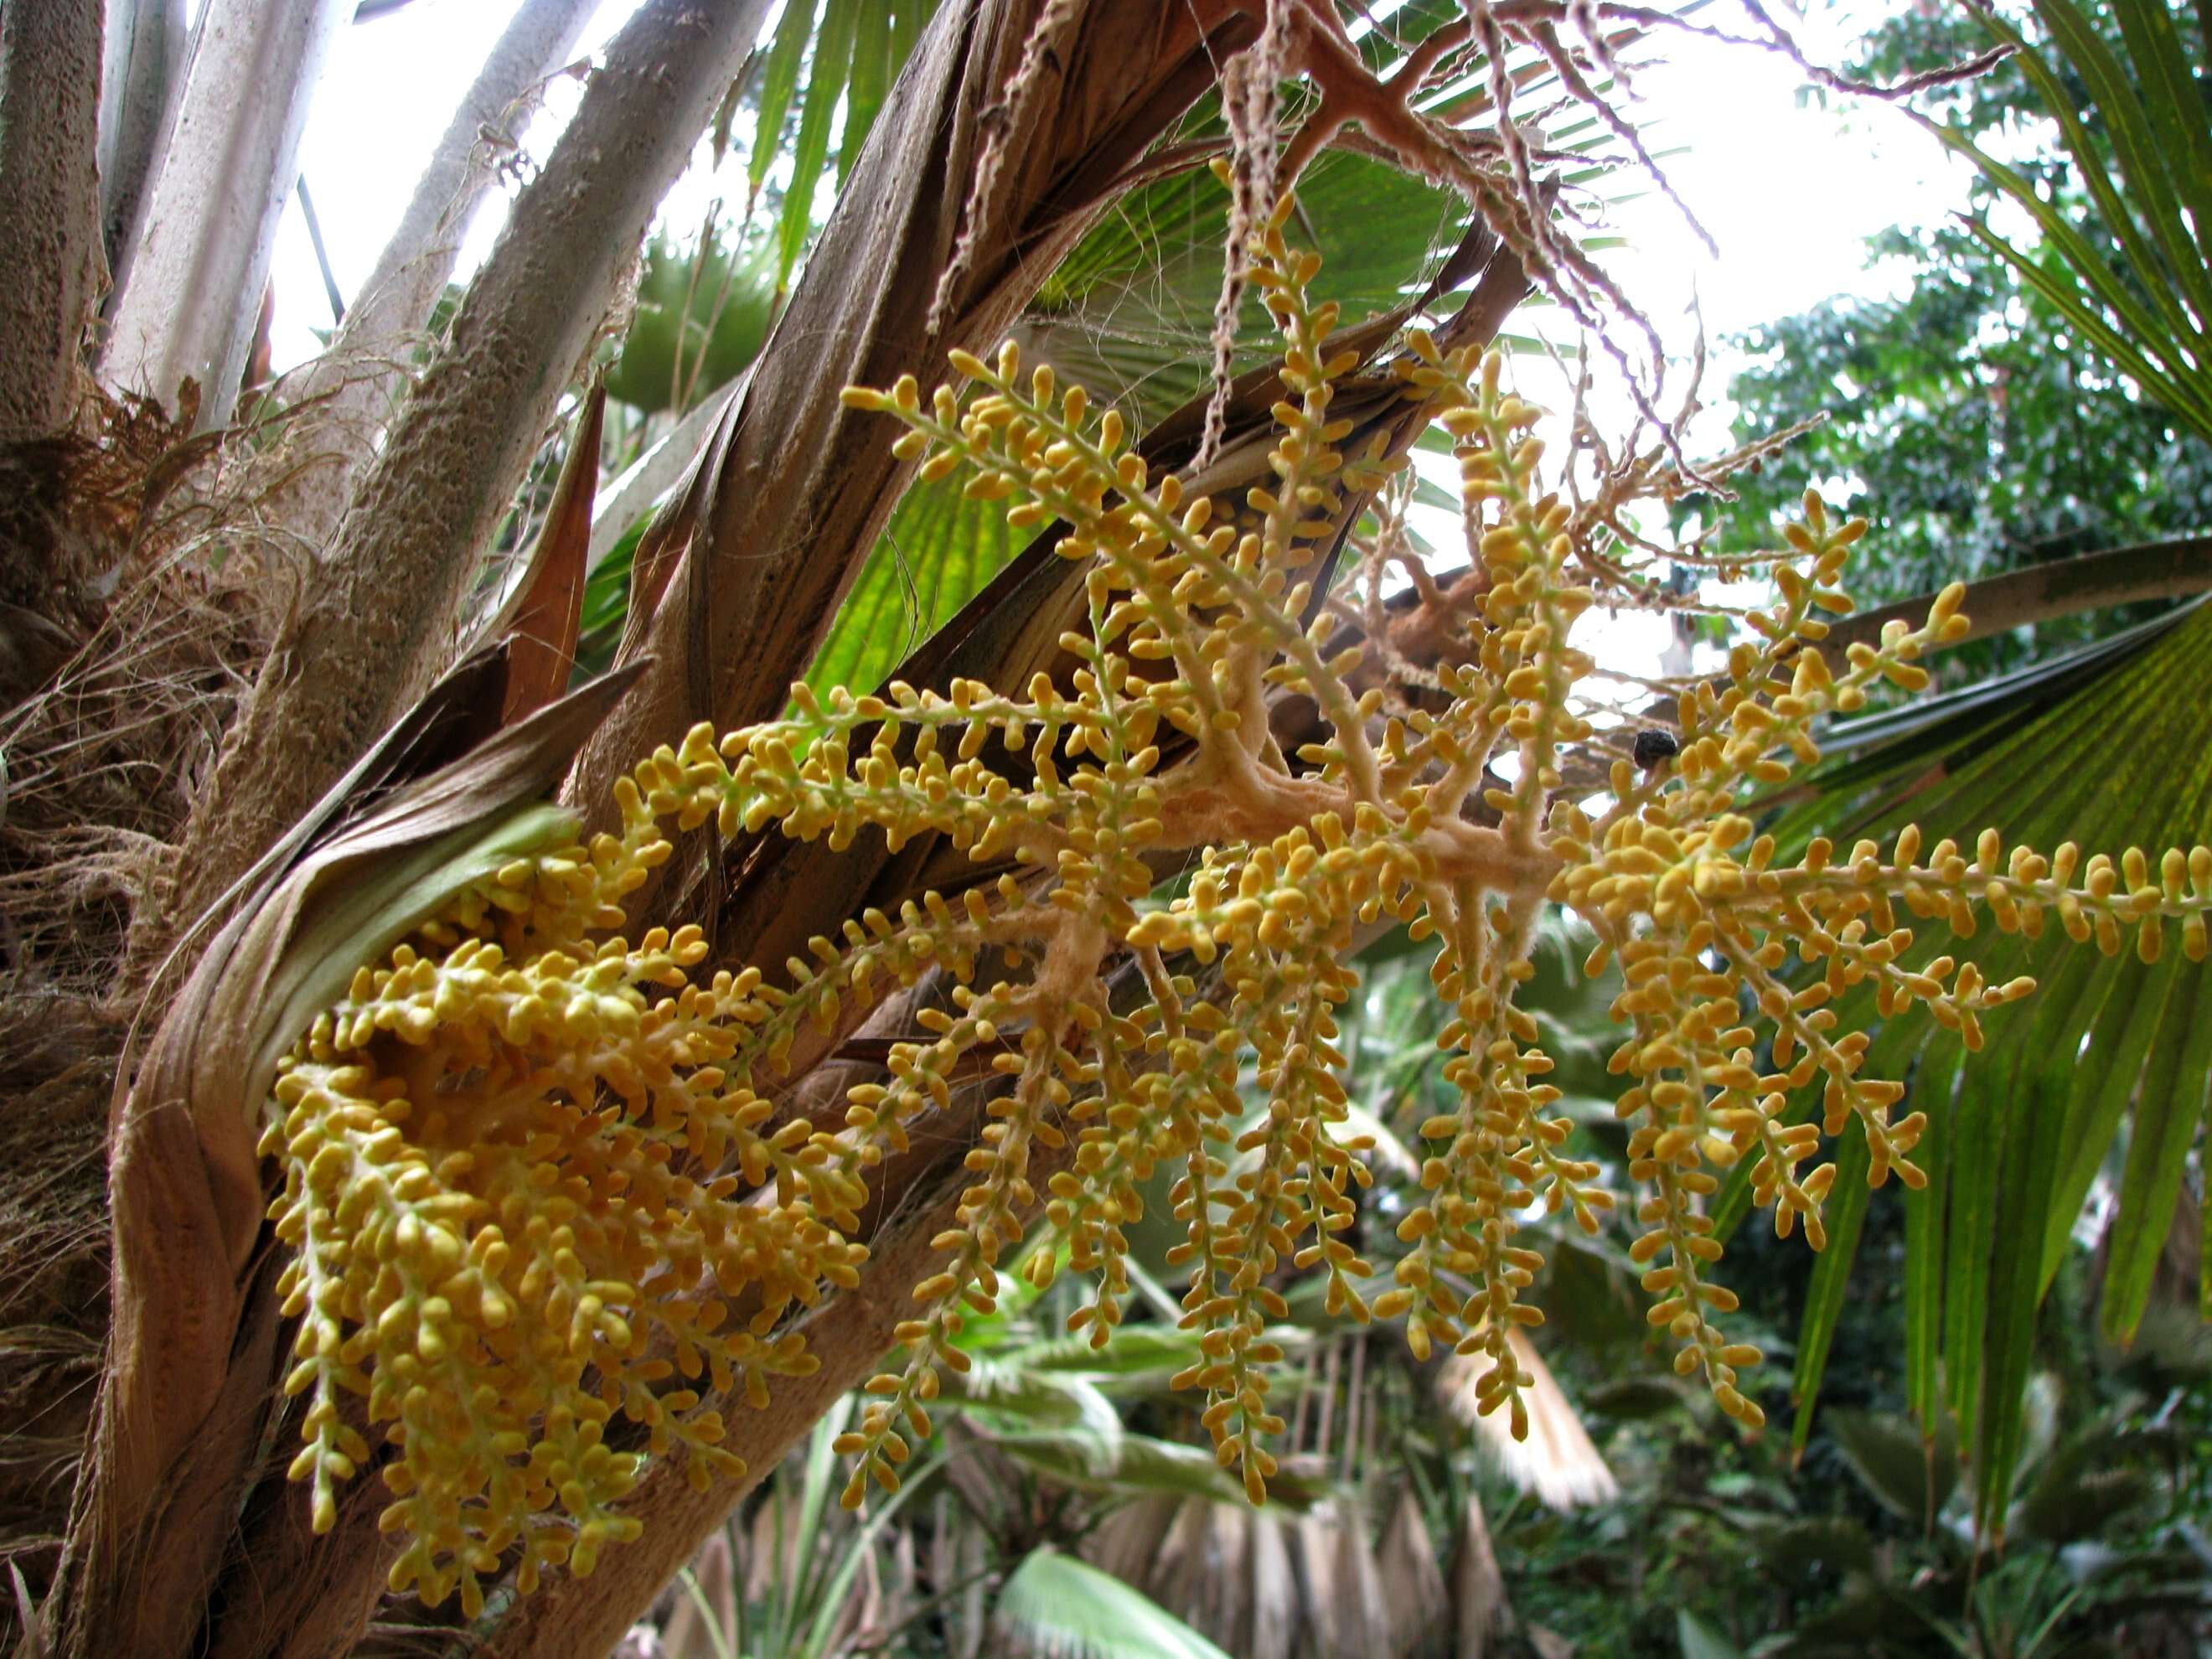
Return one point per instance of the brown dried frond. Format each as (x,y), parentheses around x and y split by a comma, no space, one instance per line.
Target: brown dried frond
(56,1068)
(102,762)
(1039,54)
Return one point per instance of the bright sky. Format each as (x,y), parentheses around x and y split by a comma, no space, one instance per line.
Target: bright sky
(391,89)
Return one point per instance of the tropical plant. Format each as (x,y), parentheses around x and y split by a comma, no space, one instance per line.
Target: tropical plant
(1029,1457)
(2102,1562)
(795,1582)
(319,843)
(547,1176)
(1979,428)
(226,615)
(1864,1537)
(2081,1109)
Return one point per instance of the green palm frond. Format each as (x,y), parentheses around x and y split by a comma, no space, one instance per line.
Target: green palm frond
(1129,315)
(2136,278)
(936,554)
(2108,1067)
(1054,1607)
(1064,1401)
(826,55)
(2108,1071)
(702,315)
(1136,1351)
(1142,1465)
(704,311)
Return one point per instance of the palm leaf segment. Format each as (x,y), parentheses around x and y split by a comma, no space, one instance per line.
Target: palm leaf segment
(1130,313)
(2015,1147)
(539,1194)
(2137,284)
(1057,1607)
(2115,744)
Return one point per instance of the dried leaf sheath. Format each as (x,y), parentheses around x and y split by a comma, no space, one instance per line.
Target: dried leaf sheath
(536,1175)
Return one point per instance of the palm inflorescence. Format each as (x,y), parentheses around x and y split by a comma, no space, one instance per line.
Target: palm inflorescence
(546,1215)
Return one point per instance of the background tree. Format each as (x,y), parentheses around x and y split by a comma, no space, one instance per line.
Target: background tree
(1979,429)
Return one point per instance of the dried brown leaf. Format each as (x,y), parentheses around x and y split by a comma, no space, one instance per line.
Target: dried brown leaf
(543,616)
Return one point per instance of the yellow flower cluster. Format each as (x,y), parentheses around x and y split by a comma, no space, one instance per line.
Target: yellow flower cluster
(541,1201)
(521,1169)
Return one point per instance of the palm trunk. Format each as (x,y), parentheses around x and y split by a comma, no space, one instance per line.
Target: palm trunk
(378,629)
(145,60)
(199,262)
(355,384)
(188,1382)
(50,64)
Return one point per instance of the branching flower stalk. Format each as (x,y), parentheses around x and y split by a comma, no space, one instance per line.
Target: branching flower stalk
(540,1197)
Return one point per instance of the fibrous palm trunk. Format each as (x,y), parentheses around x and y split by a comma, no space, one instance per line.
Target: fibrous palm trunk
(50,246)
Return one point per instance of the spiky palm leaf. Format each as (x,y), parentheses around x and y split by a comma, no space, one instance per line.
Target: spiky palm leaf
(2114,1064)
(2113,1059)
(2136,279)
(1129,315)
(849,52)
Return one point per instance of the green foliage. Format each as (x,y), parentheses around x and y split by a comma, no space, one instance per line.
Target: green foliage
(710,306)
(2137,280)
(703,312)
(1128,314)
(1976,421)
(1723,1546)
(1057,1607)
(935,1564)
(2012,1152)
(850,52)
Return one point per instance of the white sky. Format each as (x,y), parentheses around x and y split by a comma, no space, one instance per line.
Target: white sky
(1788,188)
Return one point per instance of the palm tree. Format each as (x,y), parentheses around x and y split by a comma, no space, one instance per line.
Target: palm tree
(237,626)
(279,701)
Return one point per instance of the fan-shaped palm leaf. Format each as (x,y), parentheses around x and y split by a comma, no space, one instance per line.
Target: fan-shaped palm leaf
(2116,753)
(2116,743)
(2137,280)
(1129,315)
